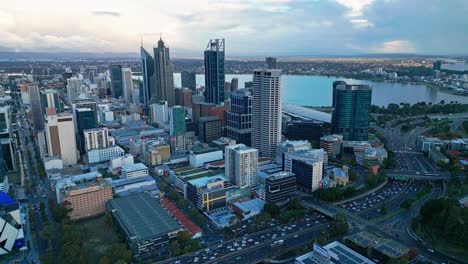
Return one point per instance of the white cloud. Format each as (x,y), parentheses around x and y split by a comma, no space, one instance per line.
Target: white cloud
(356,6)
(395,46)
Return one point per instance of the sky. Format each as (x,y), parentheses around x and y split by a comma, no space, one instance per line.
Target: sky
(250,27)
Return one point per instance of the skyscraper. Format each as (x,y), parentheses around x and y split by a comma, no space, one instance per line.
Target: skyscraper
(210,128)
(214,71)
(266,111)
(147,70)
(60,137)
(36,108)
(50,99)
(242,165)
(234,84)
(177,121)
(117,86)
(85,119)
(74,88)
(351,111)
(127,84)
(189,80)
(159,112)
(239,119)
(163,74)
(271,62)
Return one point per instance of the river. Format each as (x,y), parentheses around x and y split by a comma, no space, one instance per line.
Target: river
(317,90)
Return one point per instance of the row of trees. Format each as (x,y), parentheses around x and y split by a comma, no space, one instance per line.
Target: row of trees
(444,220)
(421,108)
(294,211)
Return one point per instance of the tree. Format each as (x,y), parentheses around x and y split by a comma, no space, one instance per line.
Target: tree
(272,209)
(383,209)
(406,204)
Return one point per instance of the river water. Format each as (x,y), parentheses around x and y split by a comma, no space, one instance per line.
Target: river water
(317,90)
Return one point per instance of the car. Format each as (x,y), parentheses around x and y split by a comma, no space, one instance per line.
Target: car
(430,250)
(295,236)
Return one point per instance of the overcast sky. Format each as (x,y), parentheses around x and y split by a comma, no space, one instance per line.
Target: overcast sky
(261,27)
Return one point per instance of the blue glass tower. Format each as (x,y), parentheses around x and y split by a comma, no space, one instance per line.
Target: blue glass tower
(214,71)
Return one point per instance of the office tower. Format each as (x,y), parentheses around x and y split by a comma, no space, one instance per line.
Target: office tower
(271,62)
(189,80)
(60,136)
(74,88)
(332,144)
(36,109)
(210,128)
(239,119)
(248,84)
(279,187)
(50,99)
(96,138)
(147,70)
(7,153)
(351,111)
(5,117)
(290,146)
(177,121)
(304,129)
(127,84)
(266,111)
(234,84)
(117,85)
(159,112)
(85,119)
(214,71)
(241,165)
(436,74)
(437,65)
(184,97)
(308,166)
(163,74)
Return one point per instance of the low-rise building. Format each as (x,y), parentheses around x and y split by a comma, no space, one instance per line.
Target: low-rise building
(355,147)
(198,158)
(127,186)
(134,171)
(332,144)
(147,227)
(334,252)
(279,187)
(104,154)
(249,208)
(119,162)
(208,193)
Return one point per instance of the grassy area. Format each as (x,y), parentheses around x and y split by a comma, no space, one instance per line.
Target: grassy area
(99,238)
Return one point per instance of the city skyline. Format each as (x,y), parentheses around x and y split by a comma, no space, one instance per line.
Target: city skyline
(357,27)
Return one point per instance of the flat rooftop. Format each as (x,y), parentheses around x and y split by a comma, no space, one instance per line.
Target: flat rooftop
(142,217)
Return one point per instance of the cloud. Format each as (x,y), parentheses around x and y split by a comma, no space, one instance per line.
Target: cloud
(356,6)
(106,13)
(395,46)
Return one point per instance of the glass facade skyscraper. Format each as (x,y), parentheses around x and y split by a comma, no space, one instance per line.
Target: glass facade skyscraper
(239,119)
(351,110)
(189,80)
(177,121)
(147,70)
(214,71)
(116,81)
(163,74)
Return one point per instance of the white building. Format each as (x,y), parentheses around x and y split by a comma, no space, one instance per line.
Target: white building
(266,111)
(199,158)
(74,88)
(60,137)
(105,154)
(97,138)
(159,112)
(135,170)
(241,165)
(308,165)
(119,162)
(127,84)
(291,146)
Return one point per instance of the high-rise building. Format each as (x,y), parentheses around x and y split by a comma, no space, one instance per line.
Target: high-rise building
(163,74)
(5,117)
(60,136)
(74,88)
(351,111)
(279,187)
(266,111)
(184,97)
(308,166)
(85,119)
(127,84)
(117,85)
(7,153)
(239,119)
(189,80)
(234,84)
(177,121)
(210,128)
(248,84)
(147,70)
(96,138)
(290,146)
(214,71)
(38,120)
(242,165)
(437,65)
(271,62)
(159,112)
(50,99)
